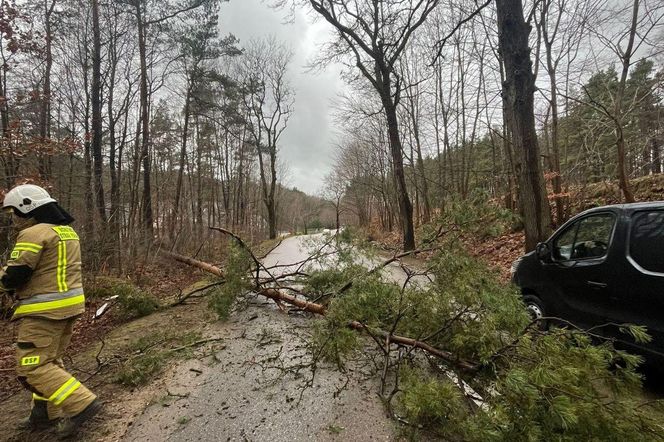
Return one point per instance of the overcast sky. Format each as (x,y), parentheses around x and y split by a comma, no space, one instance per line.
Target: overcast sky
(307,144)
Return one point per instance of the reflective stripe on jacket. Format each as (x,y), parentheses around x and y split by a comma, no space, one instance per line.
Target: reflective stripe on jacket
(55,288)
(50,302)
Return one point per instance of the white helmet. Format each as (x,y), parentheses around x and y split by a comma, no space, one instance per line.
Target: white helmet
(26,198)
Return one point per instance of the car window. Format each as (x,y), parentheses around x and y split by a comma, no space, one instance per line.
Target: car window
(562,246)
(593,236)
(587,238)
(646,243)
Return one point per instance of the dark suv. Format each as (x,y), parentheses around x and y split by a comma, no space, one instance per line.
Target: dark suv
(602,268)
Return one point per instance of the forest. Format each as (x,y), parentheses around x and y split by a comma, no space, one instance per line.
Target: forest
(466,132)
(152,123)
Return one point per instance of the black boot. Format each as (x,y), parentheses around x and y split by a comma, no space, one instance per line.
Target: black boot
(69,427)
(38,419)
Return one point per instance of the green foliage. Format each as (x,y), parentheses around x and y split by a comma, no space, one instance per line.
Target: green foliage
(638,332)
(102,287)
(328,281)
(346,235)
(333,342)
(140,370)
(476,215)
(588,129)
(437,403)
(316,224)
(133,302)
(223,297)
(558,386)
(476,312)
(533,385)
(334,429)
(150,355)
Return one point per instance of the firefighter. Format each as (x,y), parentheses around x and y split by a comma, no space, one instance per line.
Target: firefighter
(44,272)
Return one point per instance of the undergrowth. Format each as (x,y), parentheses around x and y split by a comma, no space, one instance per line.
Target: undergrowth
(133,301)
(476,216)
(150,355)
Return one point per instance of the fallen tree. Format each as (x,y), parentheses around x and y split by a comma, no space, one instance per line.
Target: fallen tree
(279,297)
(488,375)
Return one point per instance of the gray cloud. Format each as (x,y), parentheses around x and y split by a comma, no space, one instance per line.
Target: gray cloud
(307,144)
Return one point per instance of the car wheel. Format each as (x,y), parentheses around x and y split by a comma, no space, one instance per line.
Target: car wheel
(536,310)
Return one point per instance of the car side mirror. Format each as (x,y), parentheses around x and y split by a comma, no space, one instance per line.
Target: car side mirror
(543,252)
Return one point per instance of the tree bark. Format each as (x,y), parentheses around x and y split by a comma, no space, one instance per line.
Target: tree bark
(618,112)
(98,162)
(45,109)
(518,101)
(555,149)
(405,206)
(278,296)
(183,154)
(656,155)
(148,221)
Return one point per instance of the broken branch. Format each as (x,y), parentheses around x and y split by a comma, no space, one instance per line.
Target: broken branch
(319,309)
(193,262)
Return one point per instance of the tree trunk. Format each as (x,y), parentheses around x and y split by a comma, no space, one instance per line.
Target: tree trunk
(8,160)
(426,216)
(145,128)
(115,158)
(96,114)
(45,109)
(656,156)
(199,178)
(405,206)
(337,210)
(625,60)
(272,203)
(183,154)
(87,176)
(518,100)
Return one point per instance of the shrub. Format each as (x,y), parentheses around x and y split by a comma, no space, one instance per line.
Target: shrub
(134,302)
(476,215)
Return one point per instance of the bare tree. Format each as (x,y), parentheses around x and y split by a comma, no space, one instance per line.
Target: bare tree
(269,101)
(375,34)
(334,191)
(562,24)
(96,93)
(624,42)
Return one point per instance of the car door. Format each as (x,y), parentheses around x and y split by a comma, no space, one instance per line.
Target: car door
(581,270)
(642,301)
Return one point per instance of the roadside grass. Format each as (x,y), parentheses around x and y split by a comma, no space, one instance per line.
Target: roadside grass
(151,353)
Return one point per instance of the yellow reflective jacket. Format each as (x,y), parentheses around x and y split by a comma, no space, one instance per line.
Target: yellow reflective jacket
(55,288)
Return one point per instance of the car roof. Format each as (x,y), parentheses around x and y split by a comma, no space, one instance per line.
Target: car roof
(631,207)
